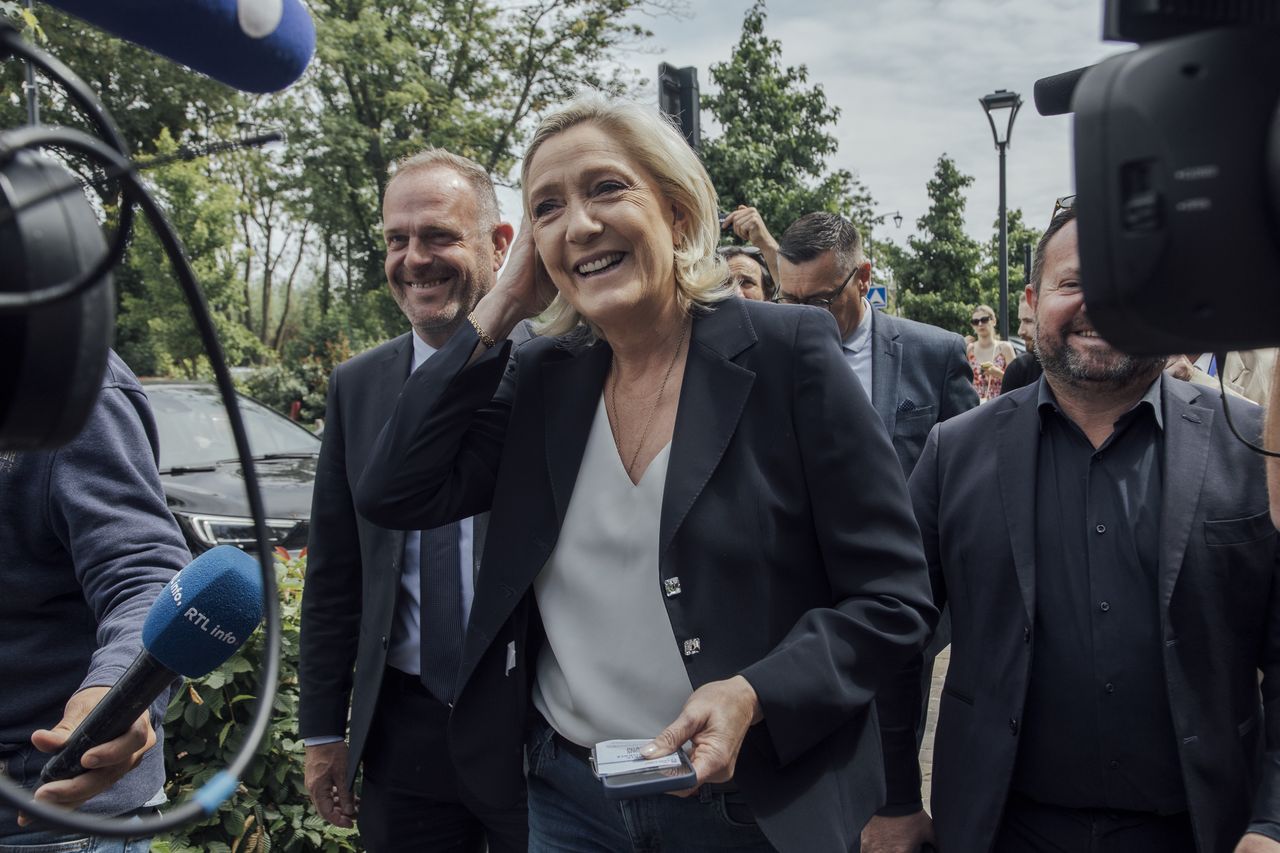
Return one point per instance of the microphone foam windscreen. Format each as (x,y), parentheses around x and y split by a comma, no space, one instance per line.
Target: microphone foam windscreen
(253,45)
(205,612)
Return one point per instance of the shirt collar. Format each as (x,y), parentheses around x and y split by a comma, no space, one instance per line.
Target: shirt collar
(861,333)
(421,351)
(1046,402)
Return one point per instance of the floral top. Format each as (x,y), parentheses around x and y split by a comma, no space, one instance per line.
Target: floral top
(988,387)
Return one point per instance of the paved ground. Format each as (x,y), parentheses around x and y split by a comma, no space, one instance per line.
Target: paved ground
(926,750)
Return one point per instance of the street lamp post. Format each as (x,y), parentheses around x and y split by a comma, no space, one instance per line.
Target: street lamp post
(996,105)
(877,220)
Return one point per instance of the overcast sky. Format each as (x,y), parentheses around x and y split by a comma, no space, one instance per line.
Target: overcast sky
(907,75)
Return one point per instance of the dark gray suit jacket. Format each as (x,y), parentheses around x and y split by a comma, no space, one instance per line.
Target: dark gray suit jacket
(792,572)
(920,377)
(353,566)
(1219,608)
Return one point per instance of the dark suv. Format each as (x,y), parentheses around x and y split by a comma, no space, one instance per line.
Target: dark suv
(201,471)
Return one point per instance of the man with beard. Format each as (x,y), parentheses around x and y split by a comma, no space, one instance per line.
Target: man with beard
(1111,612)
(393,605)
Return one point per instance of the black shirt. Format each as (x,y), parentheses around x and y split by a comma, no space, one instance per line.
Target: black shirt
(1024,370)
(1097,731)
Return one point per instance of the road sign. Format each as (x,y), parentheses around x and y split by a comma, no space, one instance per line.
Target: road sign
(878,296)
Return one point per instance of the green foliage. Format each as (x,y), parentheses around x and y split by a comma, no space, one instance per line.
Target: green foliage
(775,136)
(155,333)
(304,380)
(937,274)
(271,810)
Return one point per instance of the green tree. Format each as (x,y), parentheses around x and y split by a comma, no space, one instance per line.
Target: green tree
(154,330)
(937,273)
(775,137)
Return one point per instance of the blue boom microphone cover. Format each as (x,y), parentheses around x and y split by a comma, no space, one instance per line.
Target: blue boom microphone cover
(253,45)
(206,612)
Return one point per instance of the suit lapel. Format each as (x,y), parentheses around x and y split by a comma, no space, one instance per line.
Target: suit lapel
(391,375)
(886,365)
(571,388)
(1187,428)
(1018,433)
(389,379)
(712,397)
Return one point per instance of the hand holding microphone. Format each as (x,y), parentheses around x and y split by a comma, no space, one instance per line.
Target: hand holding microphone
(202,616)
(104,764)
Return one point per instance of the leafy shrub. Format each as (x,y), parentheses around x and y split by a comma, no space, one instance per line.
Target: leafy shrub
(304,381)
(204,726)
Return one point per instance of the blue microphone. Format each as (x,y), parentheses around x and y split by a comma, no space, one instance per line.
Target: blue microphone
(203,615)
(252,45)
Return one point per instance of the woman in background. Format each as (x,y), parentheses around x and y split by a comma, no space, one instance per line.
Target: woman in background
(988,355)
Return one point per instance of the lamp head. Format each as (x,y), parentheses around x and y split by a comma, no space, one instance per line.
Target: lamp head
(999,104)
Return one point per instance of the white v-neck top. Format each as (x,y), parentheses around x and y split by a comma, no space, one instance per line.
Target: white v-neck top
(611,667)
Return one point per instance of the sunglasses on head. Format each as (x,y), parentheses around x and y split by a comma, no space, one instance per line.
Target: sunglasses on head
(1067,202)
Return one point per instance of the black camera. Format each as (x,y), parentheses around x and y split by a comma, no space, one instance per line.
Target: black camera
(1177,156)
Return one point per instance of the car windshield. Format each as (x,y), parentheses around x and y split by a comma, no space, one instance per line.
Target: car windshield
(194,429)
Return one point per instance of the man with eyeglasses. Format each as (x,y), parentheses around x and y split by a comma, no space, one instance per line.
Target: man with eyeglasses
(915,374)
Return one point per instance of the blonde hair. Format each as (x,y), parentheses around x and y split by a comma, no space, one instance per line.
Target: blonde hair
(656,146)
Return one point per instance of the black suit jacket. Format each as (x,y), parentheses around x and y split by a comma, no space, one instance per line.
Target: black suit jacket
(920,377)
(785,517)
(353,566)
(1219,606)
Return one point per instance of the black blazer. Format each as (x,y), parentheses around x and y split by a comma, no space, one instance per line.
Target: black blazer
(353,566)
(785,517)
(1219,605)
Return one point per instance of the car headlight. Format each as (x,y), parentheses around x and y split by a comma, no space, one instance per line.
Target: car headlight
(213,530)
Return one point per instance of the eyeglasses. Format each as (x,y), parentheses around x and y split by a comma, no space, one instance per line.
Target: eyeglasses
(732,251)
(818,301)
(1067,202)
(980,321)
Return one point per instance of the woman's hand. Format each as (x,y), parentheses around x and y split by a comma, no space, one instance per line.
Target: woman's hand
(716,719)
(523,290)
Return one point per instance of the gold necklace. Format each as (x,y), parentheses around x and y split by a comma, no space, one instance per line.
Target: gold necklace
(653,409)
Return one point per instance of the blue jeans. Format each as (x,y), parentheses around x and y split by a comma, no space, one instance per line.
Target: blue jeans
(48,841)
(568,812)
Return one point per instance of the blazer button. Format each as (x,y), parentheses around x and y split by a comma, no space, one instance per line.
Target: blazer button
(1026,634)
(671,586)
(1013,727)
(692,646)
(383,641)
